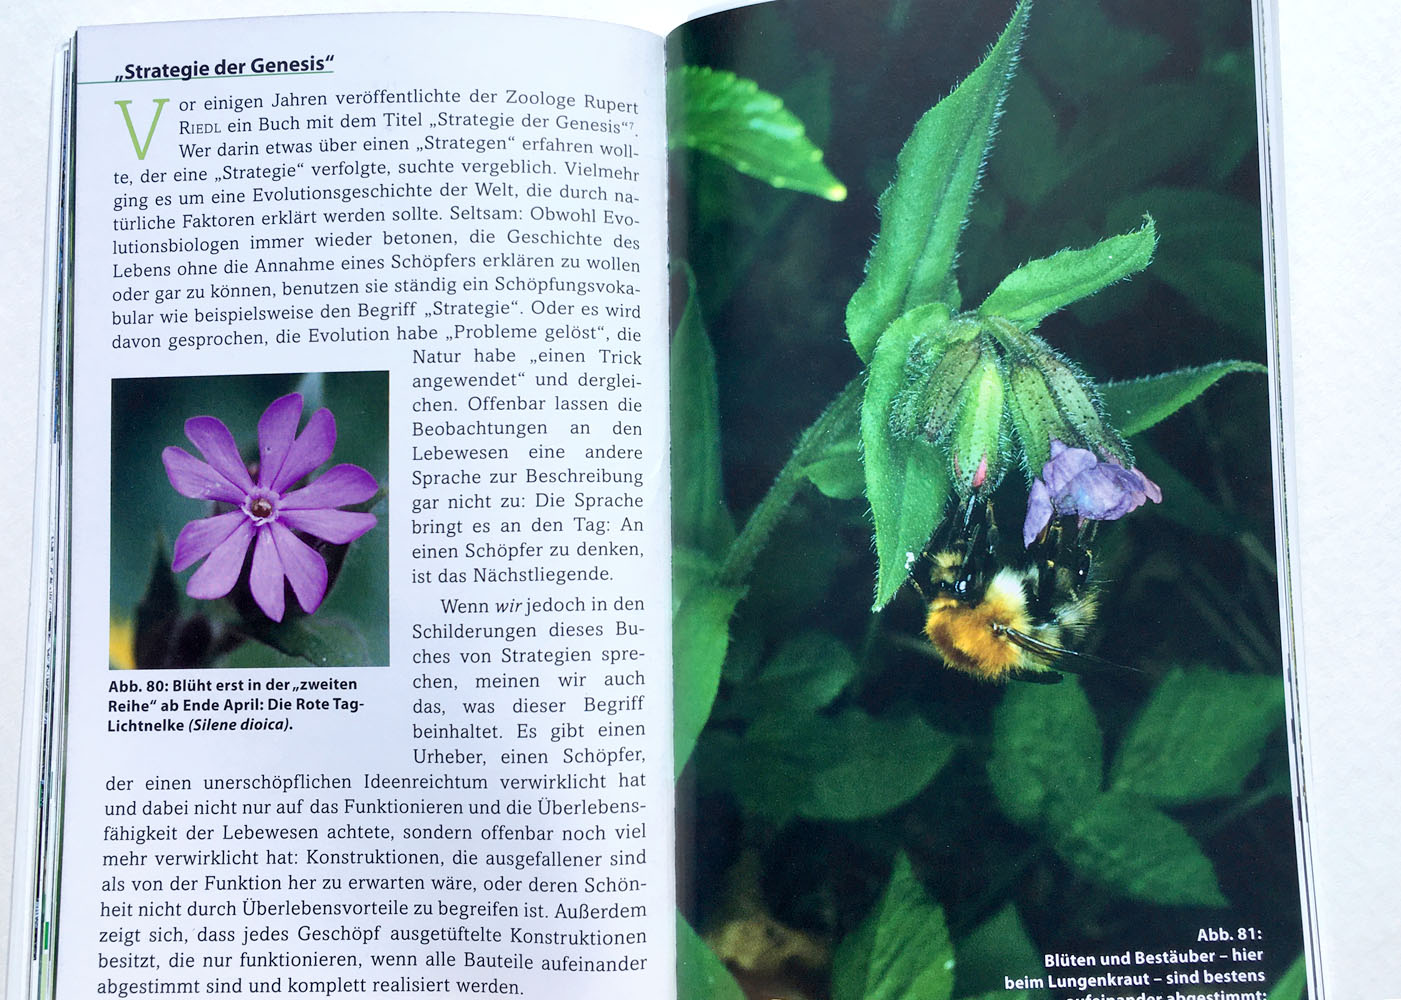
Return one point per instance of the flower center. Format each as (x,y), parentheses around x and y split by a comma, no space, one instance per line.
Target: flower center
(261,507)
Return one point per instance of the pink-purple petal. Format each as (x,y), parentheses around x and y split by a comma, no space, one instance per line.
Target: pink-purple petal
(1065,464)
(197,480)
(265,577)
(337,526)
(1077,482)
(220,571)
(1150,489)
(312,447)
(217,446)
(199,538)
(277,429)
(305,568)
(1038,512)
(336,487)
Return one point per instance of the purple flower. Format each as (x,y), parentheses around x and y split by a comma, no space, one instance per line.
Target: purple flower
(1076,481)
(270,510)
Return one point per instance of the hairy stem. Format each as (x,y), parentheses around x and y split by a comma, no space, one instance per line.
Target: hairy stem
(838,422)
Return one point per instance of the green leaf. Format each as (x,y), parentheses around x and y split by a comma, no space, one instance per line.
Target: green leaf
(844,767)
(1134,135)
(867,765)
(902,949)
(805,675)
(1195,223)
(699,518)
(924,210)
(837,471)
(1039,288)
(699,974)
(1123,842)
(157,614)
(1293,983)
(1137,405)
(1080,50)
(1198,737)
(907,479)
(1047,755)
(320,641)
(700,634)
(1027,166)
(748,128)
(1210,251)
(998,950)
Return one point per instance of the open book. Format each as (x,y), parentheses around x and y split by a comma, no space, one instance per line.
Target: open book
(536,512)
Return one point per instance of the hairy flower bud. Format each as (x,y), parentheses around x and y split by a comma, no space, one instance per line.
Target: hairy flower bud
(1075,396)
(1051,398)
(976,454)
(935,371)
(1035,416)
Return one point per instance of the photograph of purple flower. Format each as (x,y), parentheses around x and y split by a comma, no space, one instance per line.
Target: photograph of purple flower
(281,558)
(268,511)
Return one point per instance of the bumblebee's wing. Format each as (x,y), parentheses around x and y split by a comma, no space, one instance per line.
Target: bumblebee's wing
(1064,659)
(1038,676)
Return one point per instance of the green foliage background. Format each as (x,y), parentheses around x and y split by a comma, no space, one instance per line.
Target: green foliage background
(1121,811)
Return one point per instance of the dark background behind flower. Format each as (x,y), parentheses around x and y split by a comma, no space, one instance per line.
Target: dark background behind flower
(1118,108)
(147,514)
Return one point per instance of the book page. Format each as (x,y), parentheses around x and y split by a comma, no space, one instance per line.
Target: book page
(1008,705)
(368,657)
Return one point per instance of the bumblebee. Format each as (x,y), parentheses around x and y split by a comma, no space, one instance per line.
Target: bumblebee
(1000,619)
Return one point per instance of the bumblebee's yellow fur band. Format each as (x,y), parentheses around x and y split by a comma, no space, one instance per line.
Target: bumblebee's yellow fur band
(969,637)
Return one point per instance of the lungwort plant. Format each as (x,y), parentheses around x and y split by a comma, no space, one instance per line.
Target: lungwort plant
(950,403)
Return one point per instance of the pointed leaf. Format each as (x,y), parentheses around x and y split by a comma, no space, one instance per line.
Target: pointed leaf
(1139,404)
(1210,250)
(699,518)
(1047,757)
(1027,165)
(924,210)
(748,128)
(846,767)
(699,974)
(901,951)
(1138,134)
(804,676)
(157,613)
(998,950)
(322,642)
(837,470)
(1080,50)
(1292,984)
(699,637)
(1039,288)
(907,480)
(868,765)
(1199,736)
(1123,842)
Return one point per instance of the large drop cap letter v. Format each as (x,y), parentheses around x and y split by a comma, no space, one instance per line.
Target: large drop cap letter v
(142,147)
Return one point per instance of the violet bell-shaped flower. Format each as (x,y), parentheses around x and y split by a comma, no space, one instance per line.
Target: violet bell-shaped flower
(270,511)
(1076,481)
